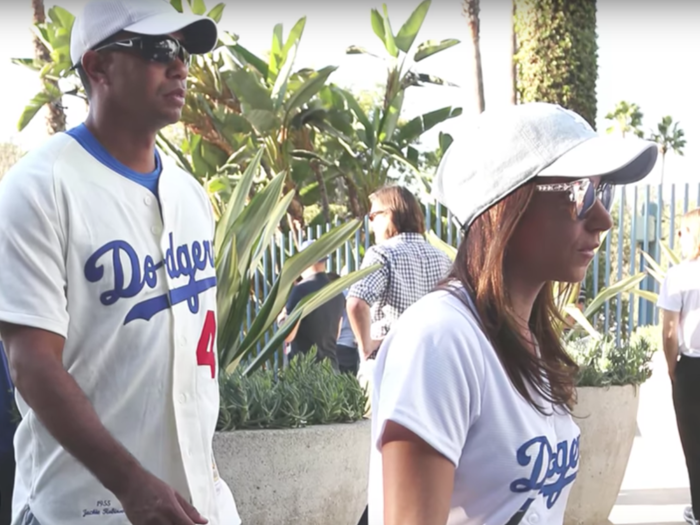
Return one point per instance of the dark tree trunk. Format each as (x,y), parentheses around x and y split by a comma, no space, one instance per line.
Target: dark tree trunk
(470,8)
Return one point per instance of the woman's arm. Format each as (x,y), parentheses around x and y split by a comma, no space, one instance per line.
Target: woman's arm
(669,339)
(418,480)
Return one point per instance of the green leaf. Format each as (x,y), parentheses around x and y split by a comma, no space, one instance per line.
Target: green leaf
(361,116)
(26,62)
(217,12)
(309,89)
(61,17)
(294,35)
(415,127)
(431,47)
(307,305)
(646,294)
(198,7)
(276,57)
(438,243)
(237,201)
(391,117)
(675,259)
(50,95)
(246,57)
(653,265)
(247,88)
(177,4)
(166,144)
(624,286)
(378,25)
(263,120)
(581,319)
(389,41)
(409,31)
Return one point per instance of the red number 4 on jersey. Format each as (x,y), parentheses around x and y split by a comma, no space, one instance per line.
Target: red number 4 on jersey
(205,347)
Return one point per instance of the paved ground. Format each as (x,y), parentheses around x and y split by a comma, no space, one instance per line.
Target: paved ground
(655,489)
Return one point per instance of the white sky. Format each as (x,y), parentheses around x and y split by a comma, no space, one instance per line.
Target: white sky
(647,54)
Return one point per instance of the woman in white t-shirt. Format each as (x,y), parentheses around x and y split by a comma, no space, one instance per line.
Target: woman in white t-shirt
(472,387)
(679,301)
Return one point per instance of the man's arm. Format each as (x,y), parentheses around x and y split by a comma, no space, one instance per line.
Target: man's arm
(36,366)
(669,338)
(360,321)
(35,358)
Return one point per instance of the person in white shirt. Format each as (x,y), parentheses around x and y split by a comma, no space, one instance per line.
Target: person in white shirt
(471,419)
(108,299)
(679,300)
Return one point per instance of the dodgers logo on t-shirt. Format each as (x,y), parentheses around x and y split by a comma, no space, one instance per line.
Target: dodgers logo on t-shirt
(551,469)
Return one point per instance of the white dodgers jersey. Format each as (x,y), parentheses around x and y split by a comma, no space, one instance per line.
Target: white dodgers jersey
(128,279)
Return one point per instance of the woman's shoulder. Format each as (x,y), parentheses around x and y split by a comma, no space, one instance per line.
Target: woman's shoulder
(444,314)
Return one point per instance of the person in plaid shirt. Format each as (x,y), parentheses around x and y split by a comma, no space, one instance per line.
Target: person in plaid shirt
(411,267)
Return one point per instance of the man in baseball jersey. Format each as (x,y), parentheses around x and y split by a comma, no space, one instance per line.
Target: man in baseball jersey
(108,292)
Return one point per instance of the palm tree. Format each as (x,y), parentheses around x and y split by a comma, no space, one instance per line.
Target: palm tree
(513,53)
(56,117)
(627,118)
(470,9)
(669,137)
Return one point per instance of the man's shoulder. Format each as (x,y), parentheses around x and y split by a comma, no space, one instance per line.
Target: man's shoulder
(37,166)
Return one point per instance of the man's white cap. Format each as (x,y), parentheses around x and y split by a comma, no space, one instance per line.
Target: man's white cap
(102,19)
(506,147)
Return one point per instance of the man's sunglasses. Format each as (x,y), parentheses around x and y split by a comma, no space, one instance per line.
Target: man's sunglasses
(161,49)
(583,194)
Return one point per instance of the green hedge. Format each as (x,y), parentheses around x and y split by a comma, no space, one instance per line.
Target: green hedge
(305,393)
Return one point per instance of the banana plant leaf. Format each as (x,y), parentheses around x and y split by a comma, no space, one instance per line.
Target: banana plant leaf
(307,305)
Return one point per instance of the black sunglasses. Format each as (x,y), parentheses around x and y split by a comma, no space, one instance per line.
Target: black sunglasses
(583,194)
(160,49)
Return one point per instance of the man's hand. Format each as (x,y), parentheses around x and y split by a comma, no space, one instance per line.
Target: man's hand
(672,370)
(372,345)
(150,501)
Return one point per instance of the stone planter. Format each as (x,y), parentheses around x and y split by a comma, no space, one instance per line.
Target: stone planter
(315,476)
(608,421)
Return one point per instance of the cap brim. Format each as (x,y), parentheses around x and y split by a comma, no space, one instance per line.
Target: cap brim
(200,32)
(615,160)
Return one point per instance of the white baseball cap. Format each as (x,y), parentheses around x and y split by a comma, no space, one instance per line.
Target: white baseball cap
(505,147)
(100,19)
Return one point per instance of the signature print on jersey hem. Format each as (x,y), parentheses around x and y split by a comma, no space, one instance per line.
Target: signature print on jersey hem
(183,260)
(552,470)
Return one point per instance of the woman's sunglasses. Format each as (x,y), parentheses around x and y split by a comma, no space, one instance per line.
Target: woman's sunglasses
(161,49)
(583,194)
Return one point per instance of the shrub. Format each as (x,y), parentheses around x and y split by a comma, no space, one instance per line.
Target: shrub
(307,392)
(603,363)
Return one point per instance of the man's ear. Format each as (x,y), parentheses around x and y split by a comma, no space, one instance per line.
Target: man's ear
(96,67)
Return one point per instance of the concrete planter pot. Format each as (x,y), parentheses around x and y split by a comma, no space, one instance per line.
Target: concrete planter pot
(608,421)
(315,476)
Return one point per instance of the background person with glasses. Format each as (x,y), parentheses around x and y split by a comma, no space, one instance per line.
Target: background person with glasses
(472,391)
(108,292)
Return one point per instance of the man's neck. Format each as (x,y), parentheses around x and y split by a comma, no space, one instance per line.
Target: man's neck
(134,149)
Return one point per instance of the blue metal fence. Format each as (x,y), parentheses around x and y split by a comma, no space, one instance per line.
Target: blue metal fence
(644,217)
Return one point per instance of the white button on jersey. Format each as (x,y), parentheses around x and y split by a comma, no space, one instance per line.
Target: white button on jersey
(148,200)
(156,230)
(533,518)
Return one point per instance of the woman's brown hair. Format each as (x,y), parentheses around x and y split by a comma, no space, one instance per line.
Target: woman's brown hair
(480,266)
(406,214)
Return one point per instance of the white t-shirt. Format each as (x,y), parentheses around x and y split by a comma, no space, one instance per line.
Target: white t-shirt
(438,376)
(680,292)
(128,279)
